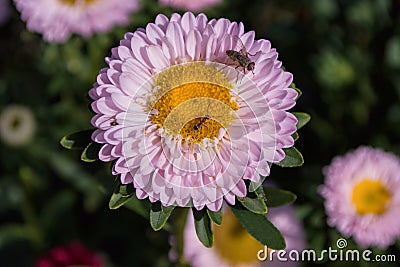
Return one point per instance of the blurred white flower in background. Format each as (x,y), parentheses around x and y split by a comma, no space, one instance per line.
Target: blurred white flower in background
(17,125)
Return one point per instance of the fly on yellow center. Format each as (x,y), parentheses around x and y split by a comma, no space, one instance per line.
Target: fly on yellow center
(233,243)
(194,101)
(73,2)
(370,196)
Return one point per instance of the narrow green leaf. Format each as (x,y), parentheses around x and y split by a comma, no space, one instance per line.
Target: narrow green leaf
(293,86)
(202,225)
(126,190)
(140,206)
(91,152)
(293,158)
(295,136)
(277,197)
(121,195)
(117,200)
(13,232)
(159,215)
(215,216)
(78,140)
(259,227)
(302,119)
(257,189)
(124,195)
(255,205)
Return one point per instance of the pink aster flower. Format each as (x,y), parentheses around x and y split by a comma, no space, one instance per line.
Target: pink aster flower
(183,128)
(58,19)
(190,5)
(362,197)
(74,254)
(234,247)
(5,11)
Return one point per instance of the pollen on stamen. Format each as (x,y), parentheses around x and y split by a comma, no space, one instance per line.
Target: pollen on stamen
(193,101)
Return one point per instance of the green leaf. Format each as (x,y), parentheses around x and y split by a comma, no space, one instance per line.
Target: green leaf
(293,158)
(293,86)
(256,205)
(302,119)
(259,227)
(91,152)
(126,190)
(13,232)
(159,215)
(258,189)
(215,216)
(295,136)
(121,195)
(117,200)
(78,140)
(202,225)
(140,206)
(277,197)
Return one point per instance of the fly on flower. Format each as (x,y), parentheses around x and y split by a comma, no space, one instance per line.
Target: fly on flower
(114,122)
(241,58)
(203,119)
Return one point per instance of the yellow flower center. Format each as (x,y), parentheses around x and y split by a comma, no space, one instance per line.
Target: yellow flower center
(233,243)
(193,101)
(73,2)
(370,196)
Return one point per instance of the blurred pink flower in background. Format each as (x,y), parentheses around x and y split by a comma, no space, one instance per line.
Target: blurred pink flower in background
(58,19)
(235,247)
(362,196)
(74,254)
(190,5)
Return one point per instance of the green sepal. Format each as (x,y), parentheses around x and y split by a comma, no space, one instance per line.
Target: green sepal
(159,215)
(259,227)
(293,158)
(202,224)
(299,93)
(121,195)
(302,119)
(215,216)
(277,197)
(254,204)
(295,136)
(140,206)
(257,189)
(91,152)
(117,201)
(78,140)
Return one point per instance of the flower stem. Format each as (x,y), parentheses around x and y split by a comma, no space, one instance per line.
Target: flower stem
(179,229)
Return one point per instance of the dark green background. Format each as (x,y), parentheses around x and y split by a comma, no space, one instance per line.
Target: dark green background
(345,57)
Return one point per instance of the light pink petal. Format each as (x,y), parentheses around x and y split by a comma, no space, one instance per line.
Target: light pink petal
(154,33)
(156,57)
